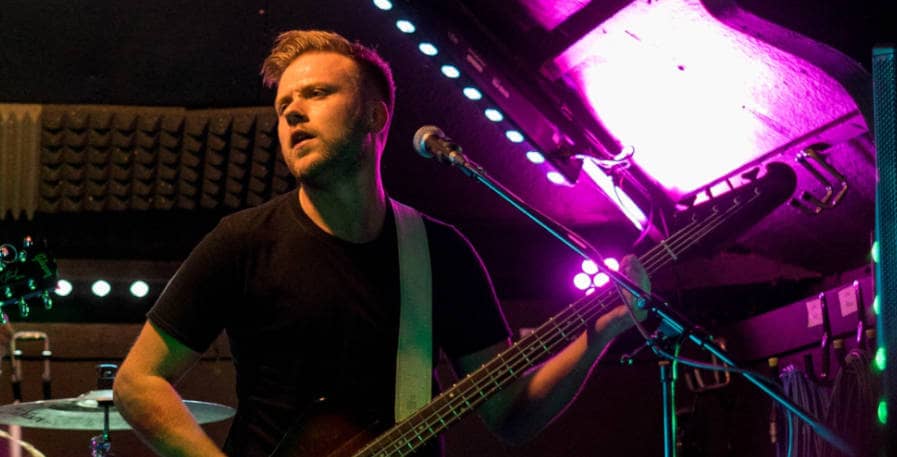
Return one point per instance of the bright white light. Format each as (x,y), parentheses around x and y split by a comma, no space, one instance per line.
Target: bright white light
(472,93)
(582,281)
(589,266)
(494,115)
(535,157)
(451,71)
(601,279)
(100,288)
(514,136)
(405,26)
(617,195)
(139,289)
(555,177)
(63,288)
(428,49)
(384,5)
(612,263)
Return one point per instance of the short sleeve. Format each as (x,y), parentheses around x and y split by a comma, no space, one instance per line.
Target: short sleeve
(199,299)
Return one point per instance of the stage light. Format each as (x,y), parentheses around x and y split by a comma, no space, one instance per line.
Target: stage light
(472,93)
(100,288)
(515,136)
(405,26)
(883,411)
(535,157)
(63,288)
(589,267)
(612,263)
(555,177)
(582,281)
(428,49)
(600,280)
(494,115)
(450,71)
(139,289)
(384,5)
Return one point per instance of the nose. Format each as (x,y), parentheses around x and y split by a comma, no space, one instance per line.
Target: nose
(294,117)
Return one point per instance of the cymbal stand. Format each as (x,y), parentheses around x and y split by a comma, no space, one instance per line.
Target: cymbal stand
(101,445)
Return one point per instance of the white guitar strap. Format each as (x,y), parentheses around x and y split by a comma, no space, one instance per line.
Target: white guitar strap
(414,358)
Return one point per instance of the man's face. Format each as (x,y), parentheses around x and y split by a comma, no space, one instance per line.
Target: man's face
(322,118)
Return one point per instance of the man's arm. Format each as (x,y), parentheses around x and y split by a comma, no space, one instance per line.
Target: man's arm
(528,405)
(146,398)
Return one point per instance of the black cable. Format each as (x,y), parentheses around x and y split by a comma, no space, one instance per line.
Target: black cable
(852,409)
(811,397)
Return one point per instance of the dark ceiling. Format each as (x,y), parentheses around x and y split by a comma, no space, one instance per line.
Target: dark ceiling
(206,54)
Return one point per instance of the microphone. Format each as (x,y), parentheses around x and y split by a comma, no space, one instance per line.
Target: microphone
(430,141)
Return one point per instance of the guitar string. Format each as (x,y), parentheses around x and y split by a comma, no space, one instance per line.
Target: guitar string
(650,264)
(441,424)
(518,361)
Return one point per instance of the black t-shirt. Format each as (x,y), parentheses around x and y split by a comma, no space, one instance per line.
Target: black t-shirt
(309,315)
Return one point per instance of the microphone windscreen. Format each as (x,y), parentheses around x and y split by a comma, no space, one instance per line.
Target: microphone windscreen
(420,139)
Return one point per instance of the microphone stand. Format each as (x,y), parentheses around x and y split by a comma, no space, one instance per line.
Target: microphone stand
(673,324)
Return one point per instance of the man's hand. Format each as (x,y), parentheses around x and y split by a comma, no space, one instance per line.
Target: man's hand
(617,320)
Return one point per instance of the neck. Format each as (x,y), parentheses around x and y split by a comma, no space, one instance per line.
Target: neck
(352,210)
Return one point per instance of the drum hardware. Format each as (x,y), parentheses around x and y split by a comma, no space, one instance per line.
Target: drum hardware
(94,410)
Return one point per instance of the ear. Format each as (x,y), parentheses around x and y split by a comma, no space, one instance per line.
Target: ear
(377,116)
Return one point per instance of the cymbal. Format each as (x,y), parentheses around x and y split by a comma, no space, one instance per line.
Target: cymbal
(85,412)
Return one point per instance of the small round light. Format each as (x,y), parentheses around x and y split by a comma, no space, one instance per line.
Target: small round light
(473,93)
(582,281)
(875,251)
(384,5)
(555,177)
(880,360)
(63,288)
(405,26)
(589,266)
(600,279)
(876,305)
(139,289)
(494,115)
(100,288)
(883,412)
(428,49)
(515,136)
(535,157)
(450,71)
(590,291)
(612,263)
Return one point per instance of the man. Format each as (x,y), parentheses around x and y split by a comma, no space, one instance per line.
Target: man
(307,285)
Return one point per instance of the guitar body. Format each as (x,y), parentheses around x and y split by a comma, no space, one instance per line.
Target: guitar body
(326,432)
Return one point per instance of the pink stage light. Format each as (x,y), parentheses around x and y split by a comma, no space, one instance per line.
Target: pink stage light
(695,98)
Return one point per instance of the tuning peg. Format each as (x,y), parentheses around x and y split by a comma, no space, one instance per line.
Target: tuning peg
(48,301)
(24,309)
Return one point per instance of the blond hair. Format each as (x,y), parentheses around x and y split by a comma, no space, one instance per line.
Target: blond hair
(375,72)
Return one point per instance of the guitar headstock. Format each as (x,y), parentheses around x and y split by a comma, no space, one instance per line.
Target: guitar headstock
(27,275)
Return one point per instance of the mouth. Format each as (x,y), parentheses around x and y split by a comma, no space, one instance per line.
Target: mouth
(298,137)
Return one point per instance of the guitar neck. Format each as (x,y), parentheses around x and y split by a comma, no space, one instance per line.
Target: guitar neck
(473,390)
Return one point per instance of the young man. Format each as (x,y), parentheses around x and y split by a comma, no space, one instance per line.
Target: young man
(307,285)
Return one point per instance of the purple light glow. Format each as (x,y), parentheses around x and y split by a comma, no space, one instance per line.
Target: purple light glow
(582,281)
(695,98)
(612,263)
(589,267)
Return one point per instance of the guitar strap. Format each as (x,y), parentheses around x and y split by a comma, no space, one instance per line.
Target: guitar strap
(414,358)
